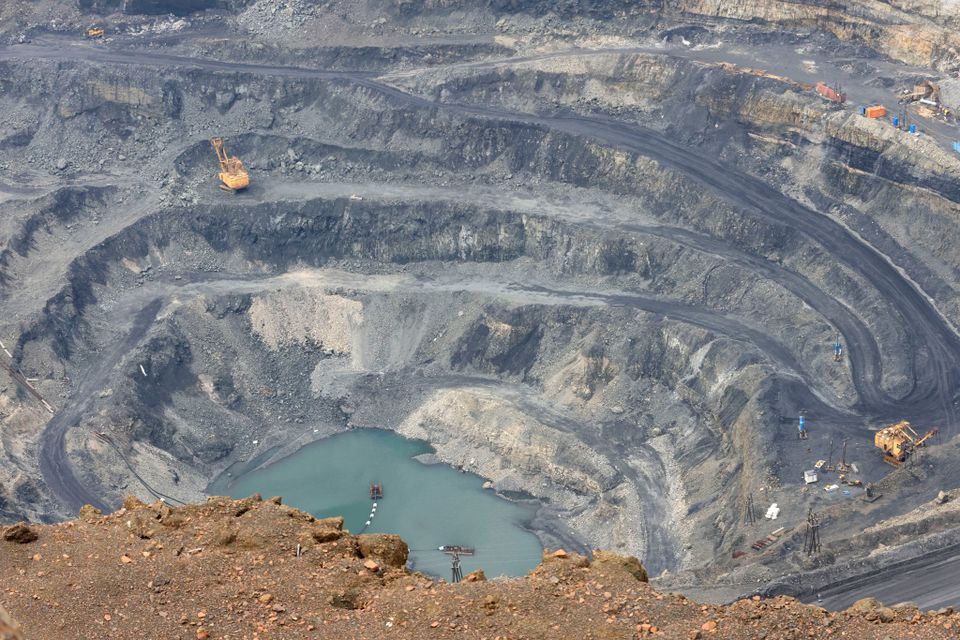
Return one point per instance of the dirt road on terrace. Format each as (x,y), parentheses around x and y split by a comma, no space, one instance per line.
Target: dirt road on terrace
(936,340)
(935,345)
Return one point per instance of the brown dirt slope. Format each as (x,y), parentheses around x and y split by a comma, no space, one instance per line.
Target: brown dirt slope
(229,569)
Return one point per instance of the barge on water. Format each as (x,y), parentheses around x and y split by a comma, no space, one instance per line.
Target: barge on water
(457,549)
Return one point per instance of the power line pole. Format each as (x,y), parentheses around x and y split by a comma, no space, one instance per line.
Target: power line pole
(456,573)
(811,542)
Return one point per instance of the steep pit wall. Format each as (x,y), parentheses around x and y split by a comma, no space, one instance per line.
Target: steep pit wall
(760,105)
(197,406)
(620,395)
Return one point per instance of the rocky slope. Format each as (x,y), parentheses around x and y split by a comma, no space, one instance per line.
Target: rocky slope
(230,569)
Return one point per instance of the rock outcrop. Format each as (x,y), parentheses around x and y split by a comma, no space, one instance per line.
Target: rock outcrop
(181,583)
(388,549)
(20,533)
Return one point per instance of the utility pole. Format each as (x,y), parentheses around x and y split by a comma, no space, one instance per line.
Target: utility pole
(751,511)
(456,572)
(811,542)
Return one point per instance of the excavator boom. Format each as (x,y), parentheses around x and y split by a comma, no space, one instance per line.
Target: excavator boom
(221,154)
(927,436)
(233,175)
(910,433)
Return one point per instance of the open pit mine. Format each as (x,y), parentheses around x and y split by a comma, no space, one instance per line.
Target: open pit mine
(662,292)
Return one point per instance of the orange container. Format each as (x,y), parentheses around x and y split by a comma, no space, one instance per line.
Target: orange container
(877,111)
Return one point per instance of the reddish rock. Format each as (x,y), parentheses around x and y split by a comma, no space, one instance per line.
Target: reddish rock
(611,561)
(388,549)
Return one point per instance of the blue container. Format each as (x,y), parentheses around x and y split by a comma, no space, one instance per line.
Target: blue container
(913,128)
(956,147)
(863,110)
(896,121)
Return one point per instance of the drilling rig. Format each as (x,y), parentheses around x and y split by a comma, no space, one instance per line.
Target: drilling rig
(899,440)
(233,175)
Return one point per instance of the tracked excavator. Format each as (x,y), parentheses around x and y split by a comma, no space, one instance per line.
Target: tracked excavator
(233,175)
(899,440)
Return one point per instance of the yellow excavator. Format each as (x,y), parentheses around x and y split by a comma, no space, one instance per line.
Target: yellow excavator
(233,175)
(899,440)
(95,32)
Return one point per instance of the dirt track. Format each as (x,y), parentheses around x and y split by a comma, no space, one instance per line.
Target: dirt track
(936,339)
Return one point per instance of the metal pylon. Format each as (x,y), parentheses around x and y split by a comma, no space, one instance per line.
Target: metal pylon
(811,542)
(456,573)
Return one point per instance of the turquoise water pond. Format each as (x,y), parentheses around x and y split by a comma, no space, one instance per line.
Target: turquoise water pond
(428,505)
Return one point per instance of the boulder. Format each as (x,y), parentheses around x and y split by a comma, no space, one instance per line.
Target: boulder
(563,560)
(321,535)
(20,533)
(864,605)
(330,523)
(387,548)
(476,576)
(297,514)
(132,503)
(886,614)
(351,598)
(244,505)
(89,512)
(608,560)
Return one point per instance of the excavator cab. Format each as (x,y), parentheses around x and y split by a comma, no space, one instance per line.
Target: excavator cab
(233,175)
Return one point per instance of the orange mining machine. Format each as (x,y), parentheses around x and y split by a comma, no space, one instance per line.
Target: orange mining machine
(833,94)
(233,175)
(899,440)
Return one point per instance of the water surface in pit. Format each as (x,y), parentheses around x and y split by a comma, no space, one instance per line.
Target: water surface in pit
(427,505)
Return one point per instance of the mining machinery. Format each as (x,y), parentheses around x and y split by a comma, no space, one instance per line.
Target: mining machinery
(95,32)
(233,175)
(898,441)
(925,91)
